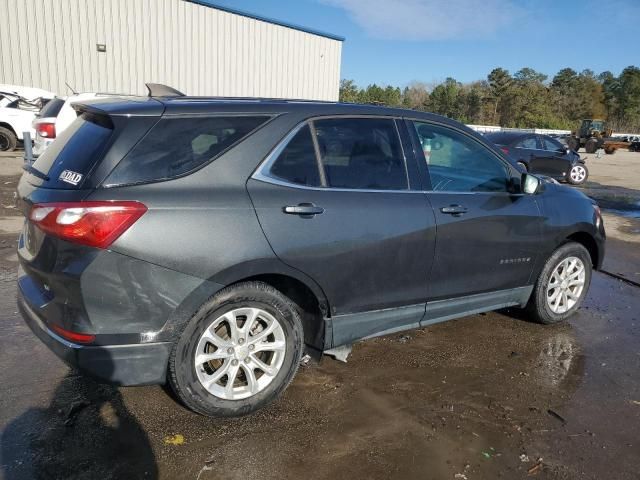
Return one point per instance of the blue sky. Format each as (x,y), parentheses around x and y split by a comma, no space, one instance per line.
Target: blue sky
(399,41)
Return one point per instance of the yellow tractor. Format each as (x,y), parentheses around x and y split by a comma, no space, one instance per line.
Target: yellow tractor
(594,135)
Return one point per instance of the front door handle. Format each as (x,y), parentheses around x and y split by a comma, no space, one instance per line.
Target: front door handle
(455,210)
(306,210)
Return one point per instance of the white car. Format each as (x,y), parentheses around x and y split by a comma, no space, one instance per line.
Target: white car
(55,118)
(18,107)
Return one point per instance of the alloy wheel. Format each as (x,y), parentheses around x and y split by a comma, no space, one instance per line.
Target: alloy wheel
(578,173)
(240,353)
(566,285)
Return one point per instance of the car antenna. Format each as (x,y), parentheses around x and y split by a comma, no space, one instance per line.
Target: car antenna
(71,88)
(160,90)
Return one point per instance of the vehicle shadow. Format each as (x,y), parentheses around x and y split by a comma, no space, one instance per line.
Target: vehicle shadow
(86,432)
(613,197)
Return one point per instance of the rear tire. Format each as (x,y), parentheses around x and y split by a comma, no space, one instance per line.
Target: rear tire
(211,352)
(591,146)
(8,140)
(573,143)
(562,285)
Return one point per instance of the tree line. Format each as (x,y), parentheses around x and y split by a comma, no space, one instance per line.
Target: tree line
(526,99)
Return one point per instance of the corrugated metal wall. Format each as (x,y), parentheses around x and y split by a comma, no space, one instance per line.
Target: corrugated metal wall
(196,49)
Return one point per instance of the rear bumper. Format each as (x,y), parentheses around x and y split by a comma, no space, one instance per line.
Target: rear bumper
(136,364)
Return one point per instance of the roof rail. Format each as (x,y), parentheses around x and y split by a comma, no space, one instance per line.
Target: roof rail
(160,90)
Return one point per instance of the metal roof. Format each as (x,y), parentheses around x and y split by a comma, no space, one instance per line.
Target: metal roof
(206,3)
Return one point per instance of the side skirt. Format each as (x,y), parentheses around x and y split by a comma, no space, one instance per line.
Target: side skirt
(443,310)
(346,329)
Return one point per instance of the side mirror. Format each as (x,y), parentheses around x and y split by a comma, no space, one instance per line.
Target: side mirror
(567,150)
(530,184)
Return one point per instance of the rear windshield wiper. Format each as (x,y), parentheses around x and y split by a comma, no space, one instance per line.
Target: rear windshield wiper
(35,172)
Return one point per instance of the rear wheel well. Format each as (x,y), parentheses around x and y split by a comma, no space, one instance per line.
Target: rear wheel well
(588,242)
(311,308)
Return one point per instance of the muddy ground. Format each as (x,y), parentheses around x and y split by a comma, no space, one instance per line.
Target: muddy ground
(484,397)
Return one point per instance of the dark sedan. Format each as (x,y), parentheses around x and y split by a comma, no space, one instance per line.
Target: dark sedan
(543,155)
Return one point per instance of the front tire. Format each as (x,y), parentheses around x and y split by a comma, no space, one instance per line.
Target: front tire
(578,174)
(562,284)
(8,140)
(238,352)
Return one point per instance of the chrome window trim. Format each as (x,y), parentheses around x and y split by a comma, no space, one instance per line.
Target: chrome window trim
(262,172)
(274,181)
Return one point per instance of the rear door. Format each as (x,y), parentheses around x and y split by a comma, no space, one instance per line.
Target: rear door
(526,150)
(337,201)
(487,237)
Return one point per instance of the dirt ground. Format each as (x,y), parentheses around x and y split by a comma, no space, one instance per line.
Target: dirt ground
(484,397)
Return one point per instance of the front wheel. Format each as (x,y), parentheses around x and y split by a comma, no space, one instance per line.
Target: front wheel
(562,284)
(8,140)
(578,174)
(239,351)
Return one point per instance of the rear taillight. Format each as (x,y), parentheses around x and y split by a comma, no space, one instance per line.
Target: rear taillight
(47,130)
(505,150)
(96,224)
(73,336)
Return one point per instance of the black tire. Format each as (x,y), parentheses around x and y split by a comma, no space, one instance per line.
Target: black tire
(538,308)
(8,140)
(182,371)
(573,180)
(591,146)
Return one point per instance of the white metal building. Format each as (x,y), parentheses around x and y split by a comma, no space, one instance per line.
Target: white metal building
(196,47)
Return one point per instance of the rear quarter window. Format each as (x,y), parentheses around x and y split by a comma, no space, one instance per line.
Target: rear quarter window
(177,146)
(76,150)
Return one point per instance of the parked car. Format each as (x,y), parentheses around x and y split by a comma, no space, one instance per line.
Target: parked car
(56,117)
(18,107)
(209,242)
(542,155)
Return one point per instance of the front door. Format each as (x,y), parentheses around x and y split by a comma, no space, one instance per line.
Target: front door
(552,159)
(487,237)
(335,202)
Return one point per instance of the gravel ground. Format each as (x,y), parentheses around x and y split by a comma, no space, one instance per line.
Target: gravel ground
(484,397)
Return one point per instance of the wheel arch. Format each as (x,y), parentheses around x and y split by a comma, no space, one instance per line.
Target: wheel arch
(589,242)
(302,290)
(8,126)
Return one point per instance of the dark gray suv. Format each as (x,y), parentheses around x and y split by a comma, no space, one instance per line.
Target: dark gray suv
(209,242)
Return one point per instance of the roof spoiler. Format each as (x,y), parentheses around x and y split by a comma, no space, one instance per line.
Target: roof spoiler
(160,90)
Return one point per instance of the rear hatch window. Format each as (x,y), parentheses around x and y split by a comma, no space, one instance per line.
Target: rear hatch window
(52,108)
(178,146)
(75,151)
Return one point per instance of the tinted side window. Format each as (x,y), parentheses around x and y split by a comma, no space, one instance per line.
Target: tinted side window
(175,146)
(458,163)
(551,145)
(361,153)
(529,142)
(297,163)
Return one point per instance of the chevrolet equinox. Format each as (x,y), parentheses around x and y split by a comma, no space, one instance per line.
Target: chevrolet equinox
(210,242)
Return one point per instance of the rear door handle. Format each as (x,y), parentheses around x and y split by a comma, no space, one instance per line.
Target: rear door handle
(303,209)
(455,210)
